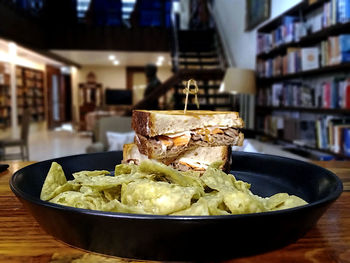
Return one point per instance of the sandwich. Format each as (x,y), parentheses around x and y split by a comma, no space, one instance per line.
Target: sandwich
(166,135)
(197,159)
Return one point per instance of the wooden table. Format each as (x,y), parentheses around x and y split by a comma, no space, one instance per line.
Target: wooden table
(22,239)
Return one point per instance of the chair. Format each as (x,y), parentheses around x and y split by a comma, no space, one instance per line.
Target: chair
(119,124)
(21,142)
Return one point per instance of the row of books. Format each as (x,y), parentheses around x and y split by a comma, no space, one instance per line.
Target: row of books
(289,127)
(292,28)
(335,50)
(36,110)
(4,113)
(333,93)
(335,11)
(331,133)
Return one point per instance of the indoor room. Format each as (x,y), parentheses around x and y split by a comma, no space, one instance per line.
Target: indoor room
(78,70)
(88,81)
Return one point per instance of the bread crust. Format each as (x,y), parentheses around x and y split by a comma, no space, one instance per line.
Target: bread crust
(152,123)
(141,121)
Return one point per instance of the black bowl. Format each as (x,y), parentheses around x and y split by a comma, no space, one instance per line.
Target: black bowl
(185,237)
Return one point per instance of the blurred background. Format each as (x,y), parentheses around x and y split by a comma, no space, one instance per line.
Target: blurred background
(72,71)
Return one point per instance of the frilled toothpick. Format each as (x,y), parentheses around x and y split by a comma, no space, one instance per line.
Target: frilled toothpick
(188,91)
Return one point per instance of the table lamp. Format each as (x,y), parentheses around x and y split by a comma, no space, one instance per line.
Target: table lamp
(241,84)
(238,81)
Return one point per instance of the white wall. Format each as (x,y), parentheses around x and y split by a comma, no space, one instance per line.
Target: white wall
(115,77)
(109,76)
(230,18)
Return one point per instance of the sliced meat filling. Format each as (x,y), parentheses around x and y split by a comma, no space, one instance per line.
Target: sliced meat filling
(162,146)
(228,136)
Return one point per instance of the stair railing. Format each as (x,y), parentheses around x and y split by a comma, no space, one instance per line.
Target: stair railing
(178,77)
(219,41)
(175,42)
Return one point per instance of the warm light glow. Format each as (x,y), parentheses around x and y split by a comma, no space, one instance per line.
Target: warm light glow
(116,62)
(161,58)
(111,57)
(159,63)
(12,49)
(4,57)
(65,70)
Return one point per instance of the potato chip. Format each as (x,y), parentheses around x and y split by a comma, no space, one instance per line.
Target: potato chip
(113,193)
(218,180)
(158,197)
(243,203)
(69,186)
(54,179)
(216,205)
(200,208)
(79,200)
(125,169)
(275,200)
(91,173)
(170,174)
(102,182)
(116,206)
(154,188)
(290,202)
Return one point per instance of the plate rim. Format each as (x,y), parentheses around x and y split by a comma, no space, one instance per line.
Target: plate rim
(37,201)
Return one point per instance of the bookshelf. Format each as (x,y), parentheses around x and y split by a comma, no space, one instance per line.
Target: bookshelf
(303,77)
(5,96)
(30,92)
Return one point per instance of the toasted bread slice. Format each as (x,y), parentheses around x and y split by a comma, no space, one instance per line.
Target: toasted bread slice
(153,123)
(196,159)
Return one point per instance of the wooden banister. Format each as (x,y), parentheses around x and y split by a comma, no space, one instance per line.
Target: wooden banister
(178,77)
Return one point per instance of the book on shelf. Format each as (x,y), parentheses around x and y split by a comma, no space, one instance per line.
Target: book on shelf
(346,141)
(335,50)
(343,11)
(277,94)
(309,58)
(288,28)
(314,20)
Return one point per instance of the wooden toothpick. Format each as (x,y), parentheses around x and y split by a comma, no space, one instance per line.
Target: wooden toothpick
(188,91)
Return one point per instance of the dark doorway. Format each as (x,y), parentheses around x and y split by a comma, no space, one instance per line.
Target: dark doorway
(59,97)
(68,97)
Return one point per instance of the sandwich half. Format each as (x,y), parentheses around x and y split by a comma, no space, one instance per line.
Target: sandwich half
(165,135)
(197,159)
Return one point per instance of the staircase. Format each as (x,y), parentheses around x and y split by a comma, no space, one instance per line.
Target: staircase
(198,50)
(198,55)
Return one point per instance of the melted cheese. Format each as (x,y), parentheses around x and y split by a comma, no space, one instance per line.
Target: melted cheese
(183,138)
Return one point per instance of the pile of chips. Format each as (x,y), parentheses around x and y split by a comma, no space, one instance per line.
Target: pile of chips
(154,188)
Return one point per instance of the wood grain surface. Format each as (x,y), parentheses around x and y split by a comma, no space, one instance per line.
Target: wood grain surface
(22,239)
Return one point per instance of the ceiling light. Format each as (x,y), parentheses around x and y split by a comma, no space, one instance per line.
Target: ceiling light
(111,57)
(12,49)
(116,62)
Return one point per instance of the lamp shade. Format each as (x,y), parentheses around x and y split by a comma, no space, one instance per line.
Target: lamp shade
(239,81)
